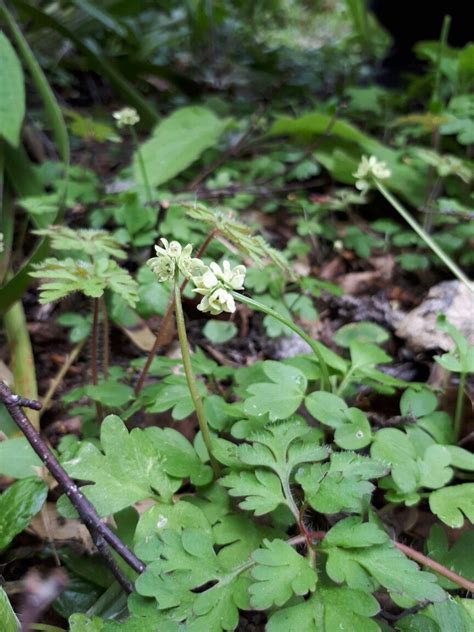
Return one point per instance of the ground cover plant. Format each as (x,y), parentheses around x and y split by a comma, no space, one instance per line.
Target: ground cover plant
(236,341)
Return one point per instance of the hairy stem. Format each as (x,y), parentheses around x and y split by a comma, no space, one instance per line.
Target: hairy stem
(429,241)
(191,380)
(459,406)
(71,358)
(166,321)
(314,344)
(99,531)
(95,333)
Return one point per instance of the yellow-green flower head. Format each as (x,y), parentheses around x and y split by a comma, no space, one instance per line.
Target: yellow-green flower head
(170,257)
(126,117)
(216,284)
(369,169)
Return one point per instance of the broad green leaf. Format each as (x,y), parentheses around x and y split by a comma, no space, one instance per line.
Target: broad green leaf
(177,142)
(362,332)
(353,533)
(128,470)
(262,490)
(83,623)
(458,558)
(452,504)
(17,458)
(328,610)
(12,93)
(219,331)
(418,402)
(327,408)
(8,618)
(366,355)
(18,504)
(280,572)
(173,392)
(395,448)
(110,393)
(366,569)
(355,433)
(279,398)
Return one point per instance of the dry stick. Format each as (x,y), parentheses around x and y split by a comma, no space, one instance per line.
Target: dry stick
(100,532)
(106,342)
(167,318)
(95,333)
(60,375)
(418,557)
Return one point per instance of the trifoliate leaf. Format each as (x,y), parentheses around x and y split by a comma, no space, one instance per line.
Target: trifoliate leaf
(366,569)
(18,504)
(86,240)
(328,610)
(279,398)
(341,485)
(261,488)
(451,504)
(353,533)
(280,573)
(128,470)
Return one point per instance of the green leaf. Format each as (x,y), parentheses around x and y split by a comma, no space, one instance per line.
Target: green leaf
(173,392)
(451,504)
(86,240)
(261,488)
(177,142)
(279,398)
(341,485)
(83,623)
(280,572)
(327,408)
(418,402)
(7,615)
(17,458)
(362,332)
(219,331)
(367,568)
(353,533)
(12,93)
(458,558)
(128,470)
(395,448)
(110,393)
(355,433)
(328,610)
(18,504)
(366,355)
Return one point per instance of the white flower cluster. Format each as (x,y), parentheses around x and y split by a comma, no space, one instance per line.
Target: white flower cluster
(368,169)
(172,257)
(214,283)
(127,117)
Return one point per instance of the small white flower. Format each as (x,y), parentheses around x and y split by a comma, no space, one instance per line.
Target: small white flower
(172,256)
(215,284)
(126,117)
(368,169)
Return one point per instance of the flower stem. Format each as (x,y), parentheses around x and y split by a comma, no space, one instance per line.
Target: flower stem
(314,344)
(190,378)
(142,167)
(429,241)
(106,342)
(95,333)
(459,406)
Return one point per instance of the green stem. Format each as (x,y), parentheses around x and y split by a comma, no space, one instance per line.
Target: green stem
(345,382)
(459,406)
(141,166)
(449,263)
(314,344)
(191,380)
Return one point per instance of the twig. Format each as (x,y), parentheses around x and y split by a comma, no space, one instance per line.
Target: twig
(166,321)
(418,557)
(99,531)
